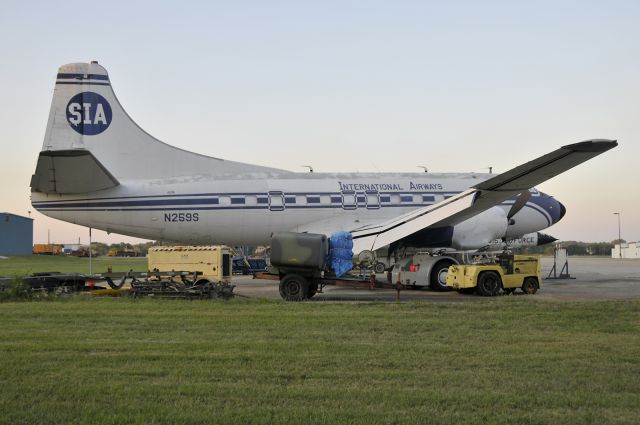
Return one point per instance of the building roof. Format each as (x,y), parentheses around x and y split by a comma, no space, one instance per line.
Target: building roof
(15,215)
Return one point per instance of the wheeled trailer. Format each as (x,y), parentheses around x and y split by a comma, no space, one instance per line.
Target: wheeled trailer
(53,281)
(173,284)
(299,285)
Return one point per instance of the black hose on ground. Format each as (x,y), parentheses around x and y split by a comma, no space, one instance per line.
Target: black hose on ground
(122,281)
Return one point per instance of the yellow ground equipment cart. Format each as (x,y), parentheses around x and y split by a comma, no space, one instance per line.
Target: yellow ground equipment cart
(214,262)
(506,272)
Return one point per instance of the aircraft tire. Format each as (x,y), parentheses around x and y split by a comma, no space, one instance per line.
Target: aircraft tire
(379,268)
(294,287)
(489,284)
(438,276)
(530,285)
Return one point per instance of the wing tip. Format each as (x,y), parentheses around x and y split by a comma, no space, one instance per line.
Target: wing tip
(593,145)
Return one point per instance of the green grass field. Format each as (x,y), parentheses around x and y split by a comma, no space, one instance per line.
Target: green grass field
(117,360)
(511,360)
(24,265)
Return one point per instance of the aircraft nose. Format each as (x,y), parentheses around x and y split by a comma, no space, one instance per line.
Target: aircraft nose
(553,207)
(556,210)
(563,211)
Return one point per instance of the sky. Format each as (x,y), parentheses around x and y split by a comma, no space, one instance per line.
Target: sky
(346,86)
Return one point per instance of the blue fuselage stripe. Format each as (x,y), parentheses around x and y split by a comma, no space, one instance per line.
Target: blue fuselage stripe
(174,200)
(237,201)
(83,83)
(227,208)
(83,76)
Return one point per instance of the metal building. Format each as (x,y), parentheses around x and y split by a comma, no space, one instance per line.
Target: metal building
(16,234)
(629,250)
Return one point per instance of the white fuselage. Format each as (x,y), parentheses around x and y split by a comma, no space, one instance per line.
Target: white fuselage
(246,211)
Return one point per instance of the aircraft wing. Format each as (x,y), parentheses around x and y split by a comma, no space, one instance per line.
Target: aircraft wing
(480,197)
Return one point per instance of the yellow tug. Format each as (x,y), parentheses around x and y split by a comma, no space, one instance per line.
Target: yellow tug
(507,272)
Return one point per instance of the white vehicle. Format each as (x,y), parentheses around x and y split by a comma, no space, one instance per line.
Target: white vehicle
(97,168)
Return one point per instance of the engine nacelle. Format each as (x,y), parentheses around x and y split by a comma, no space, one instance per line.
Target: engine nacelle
(530,239)
(480,230)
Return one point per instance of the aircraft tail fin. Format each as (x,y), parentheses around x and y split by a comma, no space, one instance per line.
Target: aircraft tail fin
(81,109)
(89,136)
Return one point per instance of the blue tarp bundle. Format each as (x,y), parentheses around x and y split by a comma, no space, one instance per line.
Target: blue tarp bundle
(341,252)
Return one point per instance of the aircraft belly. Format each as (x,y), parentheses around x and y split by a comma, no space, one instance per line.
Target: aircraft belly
(141,224)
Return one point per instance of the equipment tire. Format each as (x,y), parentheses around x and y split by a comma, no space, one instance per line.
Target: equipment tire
(294,287)
(379,268)
(489,284)
(313,290)
(530,285)
(438,276)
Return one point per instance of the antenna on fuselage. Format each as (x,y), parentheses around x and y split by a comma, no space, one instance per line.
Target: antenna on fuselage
(423,167)
(309,167)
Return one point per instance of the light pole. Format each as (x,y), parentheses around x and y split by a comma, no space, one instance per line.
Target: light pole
(619,238)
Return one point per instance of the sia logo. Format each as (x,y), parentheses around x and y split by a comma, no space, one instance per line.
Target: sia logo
(89,113)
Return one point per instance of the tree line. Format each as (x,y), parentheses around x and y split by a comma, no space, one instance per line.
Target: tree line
(573,248)
(141,249)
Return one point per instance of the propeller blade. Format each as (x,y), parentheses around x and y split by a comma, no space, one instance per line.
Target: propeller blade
(520,202)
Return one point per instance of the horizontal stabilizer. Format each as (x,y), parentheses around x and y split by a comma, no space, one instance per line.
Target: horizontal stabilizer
(479,198)
(70,171)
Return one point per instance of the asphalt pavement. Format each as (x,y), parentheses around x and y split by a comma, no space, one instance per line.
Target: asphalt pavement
(593,279)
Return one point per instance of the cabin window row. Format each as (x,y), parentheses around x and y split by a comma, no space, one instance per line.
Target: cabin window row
(301,200)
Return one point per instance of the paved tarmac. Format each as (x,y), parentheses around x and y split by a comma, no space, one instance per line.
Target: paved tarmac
(596,279)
